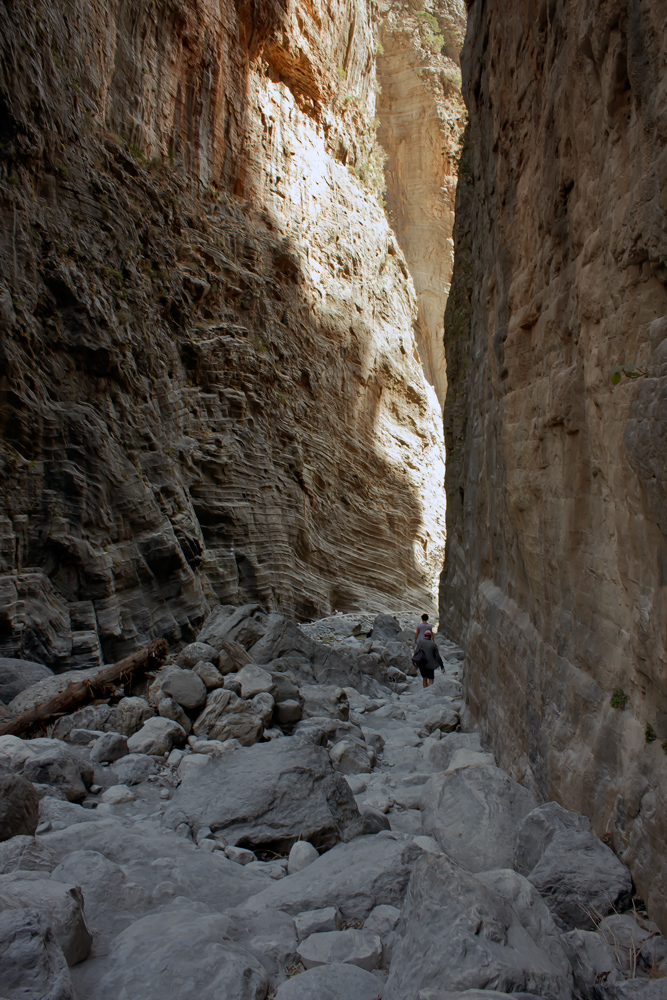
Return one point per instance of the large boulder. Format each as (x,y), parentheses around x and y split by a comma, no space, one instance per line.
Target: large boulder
(209,674)
(111,899)
(179,953)
(109,748)
(170,709)
(193,653)
(157,736)
(244,625)
(532,911)
(62,903)
(332,982)
(354,877)
(24,853)
(385,629)
(350,947)
(638,945)
(350,756)
(442,752)
(63,768)
(134,768)
(581,879)
(254,680)
(17,675)
(130,714)
(227,717)
(185,687)
(592,960)
(474,813)
(272,793)
(98,718)
(456,934)
(14,752)
(19,807)
(322,700)
(282,638)
(48,687)
(537,830)
(32,964)
(443,717)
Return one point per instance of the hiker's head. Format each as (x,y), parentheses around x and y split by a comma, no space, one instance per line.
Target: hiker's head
(424,618)
(428,634)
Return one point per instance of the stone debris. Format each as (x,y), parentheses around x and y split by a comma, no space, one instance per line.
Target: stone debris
(304,824)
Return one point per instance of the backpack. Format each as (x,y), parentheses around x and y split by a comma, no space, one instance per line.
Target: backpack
(419,659)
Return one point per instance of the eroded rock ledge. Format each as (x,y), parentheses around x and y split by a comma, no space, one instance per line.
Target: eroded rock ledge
(211,390)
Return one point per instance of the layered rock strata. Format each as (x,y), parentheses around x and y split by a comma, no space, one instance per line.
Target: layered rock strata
(421,117)
(557,550)
(211,389)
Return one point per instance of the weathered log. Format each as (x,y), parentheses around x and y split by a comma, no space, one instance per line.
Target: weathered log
(80,692)
(237,654)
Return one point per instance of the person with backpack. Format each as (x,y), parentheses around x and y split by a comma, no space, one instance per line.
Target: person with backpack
(427,658)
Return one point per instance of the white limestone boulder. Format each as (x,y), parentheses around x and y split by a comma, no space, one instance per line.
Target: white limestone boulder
(442,752)
(19,807)
(134,768)
(317,922)
(350,947)
(354,878)
(157,737)
(24,853)
(580,878)
(109,748)
(456,934)
(179,953)
(332,982)
(63,768)
(271,793)
(351,757)
(301,855)
(474,814)
(592,959)
(62,903)
(32,964)
(254,680)
(538,829)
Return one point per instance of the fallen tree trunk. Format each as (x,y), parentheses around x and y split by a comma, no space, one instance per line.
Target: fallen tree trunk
(80,692)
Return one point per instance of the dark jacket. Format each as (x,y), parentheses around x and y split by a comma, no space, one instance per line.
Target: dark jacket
(433,660)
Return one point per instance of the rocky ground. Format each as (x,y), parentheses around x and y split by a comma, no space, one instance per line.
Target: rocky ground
(311,825)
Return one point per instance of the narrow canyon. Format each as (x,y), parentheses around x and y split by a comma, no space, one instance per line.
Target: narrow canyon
(318,316)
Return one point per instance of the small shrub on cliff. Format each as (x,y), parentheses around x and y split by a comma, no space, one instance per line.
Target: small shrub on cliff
(619,698)
(630,371)
(650,734)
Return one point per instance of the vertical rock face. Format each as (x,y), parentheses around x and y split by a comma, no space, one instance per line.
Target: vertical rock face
(421,115)
(210,389)
(557,547)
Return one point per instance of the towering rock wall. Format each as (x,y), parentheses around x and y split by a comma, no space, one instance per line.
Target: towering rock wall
(556,568)
(209,385)
(421,117)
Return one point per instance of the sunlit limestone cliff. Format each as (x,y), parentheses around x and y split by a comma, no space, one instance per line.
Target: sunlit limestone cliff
(211,389)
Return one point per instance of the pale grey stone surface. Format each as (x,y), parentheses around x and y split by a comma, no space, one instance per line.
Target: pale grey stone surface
(474,814)
(456,933)
(32,964)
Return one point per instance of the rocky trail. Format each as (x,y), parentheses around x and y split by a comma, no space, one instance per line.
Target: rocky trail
(274,832)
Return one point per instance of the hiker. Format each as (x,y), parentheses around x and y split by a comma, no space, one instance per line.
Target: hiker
(427,658)
(422,628)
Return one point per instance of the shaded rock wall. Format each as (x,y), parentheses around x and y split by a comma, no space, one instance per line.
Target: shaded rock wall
(555,574)
(421,118)
(209,386)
